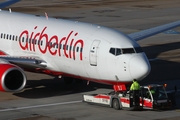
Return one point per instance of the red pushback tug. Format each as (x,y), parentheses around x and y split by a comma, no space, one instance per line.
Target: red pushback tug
(150,97)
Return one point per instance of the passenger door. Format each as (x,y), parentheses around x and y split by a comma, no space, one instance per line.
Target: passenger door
(93,52)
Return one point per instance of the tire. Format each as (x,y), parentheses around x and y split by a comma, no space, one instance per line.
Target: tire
(116,104)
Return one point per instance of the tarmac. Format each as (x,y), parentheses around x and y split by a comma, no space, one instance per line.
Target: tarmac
(46,98)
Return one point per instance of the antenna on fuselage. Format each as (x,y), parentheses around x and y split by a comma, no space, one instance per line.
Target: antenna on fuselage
(46,15)
(10,10)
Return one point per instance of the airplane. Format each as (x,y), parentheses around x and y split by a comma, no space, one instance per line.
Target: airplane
(69,49)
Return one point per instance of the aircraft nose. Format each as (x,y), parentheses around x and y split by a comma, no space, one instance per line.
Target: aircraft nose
(139,67)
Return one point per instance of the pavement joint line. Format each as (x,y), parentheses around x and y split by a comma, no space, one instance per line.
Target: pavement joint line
(38,106)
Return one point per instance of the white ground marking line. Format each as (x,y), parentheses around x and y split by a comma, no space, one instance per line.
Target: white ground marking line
(38,106)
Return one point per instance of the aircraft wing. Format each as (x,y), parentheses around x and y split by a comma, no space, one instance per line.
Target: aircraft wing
(7,3)
(29,63)
(153,31)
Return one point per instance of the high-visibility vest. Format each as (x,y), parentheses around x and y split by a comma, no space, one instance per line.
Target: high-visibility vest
(135,86)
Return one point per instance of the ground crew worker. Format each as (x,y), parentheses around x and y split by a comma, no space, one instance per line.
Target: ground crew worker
(150,92)
(135,87)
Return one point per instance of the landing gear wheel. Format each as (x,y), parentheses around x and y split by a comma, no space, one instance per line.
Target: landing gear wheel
(116,104)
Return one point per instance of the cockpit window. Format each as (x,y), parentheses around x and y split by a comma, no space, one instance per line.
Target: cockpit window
(115,51)
(112,51)
(118,51)
(127,50)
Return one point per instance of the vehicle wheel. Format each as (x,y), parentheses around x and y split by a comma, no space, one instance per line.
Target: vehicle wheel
(116,104)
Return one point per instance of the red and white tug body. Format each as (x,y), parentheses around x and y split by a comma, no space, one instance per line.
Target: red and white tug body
(124,100)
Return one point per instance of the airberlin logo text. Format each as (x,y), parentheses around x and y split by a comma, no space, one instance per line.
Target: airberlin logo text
(69,45)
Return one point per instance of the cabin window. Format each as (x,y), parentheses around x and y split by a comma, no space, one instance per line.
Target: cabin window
(27,40)
(50,44)
(1,35)
(32,41)
(12,37)
(41,43)
(7,36)
(60,45)
(38,42)
(54,45)
(77,49)
(70,48)
(22,39)
(4,36)
(16,38)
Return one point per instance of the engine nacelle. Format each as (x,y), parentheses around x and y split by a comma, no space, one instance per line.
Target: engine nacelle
(12,78)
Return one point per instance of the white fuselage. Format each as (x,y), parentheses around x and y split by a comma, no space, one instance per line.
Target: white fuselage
(74,48)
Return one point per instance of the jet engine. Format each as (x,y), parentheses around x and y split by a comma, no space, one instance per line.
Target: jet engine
(12,78)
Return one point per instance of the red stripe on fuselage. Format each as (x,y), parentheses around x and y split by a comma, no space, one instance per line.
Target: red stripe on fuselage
(2,53)
(55,73)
